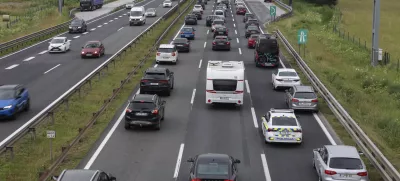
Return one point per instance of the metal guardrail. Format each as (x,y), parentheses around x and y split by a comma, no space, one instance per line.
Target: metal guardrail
(371,151)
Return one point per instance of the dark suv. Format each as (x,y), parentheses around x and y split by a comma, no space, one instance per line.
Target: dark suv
(191,19)
(145,110)
(157,80)
(266,53)
(251,21)
(77,25)
(84,175)
(220,31)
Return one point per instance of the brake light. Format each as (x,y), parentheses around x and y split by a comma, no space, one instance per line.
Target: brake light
(173,54)
(192,32)
(128,110)
(211,91)
(314,100)
(144,81)
(155,111)
(295,100)
(228,43)
(214,43)
(196,179)
(362,174)
(238,92)
(187,44)
(270,130)
(163,81)
(228,180)
(182,32)
(330,172)
(158,53)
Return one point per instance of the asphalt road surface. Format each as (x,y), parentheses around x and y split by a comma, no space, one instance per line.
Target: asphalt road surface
(191,127)
(47,76)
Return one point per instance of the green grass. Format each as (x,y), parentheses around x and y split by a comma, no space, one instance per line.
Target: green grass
(33,156)
(370,95)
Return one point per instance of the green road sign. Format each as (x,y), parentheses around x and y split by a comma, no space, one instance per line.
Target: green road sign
(302,36)
(272,10)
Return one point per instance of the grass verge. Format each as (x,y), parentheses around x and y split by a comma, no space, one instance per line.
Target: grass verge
(370,95)
(33,156)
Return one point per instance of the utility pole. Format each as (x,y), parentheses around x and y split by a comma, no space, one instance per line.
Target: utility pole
(375,32)
(290,3)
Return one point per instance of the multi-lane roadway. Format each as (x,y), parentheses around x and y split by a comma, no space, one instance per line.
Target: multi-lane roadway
(48,76)
(191,127)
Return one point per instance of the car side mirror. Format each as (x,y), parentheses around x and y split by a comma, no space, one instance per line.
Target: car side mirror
(82,47)
(236,161)
(360,152)
(54,177)
(190,160)
(19,97)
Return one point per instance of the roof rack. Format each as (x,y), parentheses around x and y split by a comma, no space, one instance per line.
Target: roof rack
(276,110)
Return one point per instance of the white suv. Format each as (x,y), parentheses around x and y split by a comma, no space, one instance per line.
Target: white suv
(167,53)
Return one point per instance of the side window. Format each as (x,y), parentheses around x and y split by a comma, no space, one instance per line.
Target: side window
(291,91)
(103,177)
(157,100)
(268,116)
(167,71)
(325,156)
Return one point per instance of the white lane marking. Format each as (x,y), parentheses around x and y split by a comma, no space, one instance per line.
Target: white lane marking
(100,26)
(247,86)
(120,16)
(201,60)
(208,31)
(111,21)
(155,65)
(235,32)
(30,58)
(193,94)
(265,166)
(120,28)
(237,40)
(77,36)
(240,51)
(138,91)
(179,160)
(12,66)
(124,14)
(105,23)
(330,138)
(253,114)
(205,44)
(115,18)
(232,15)
(43,52)
(234,25)
(177,33)
(51,69)
(92,29)
(85,33)
(233,19)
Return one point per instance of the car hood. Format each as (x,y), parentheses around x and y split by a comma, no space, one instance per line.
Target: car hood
(90,49)
(6,102)
(56,44)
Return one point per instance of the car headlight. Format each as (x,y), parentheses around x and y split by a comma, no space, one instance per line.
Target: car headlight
(79,27)
(95,52)
(8,107)
(70,26)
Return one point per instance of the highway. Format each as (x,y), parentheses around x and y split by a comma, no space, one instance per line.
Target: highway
(47,76)
(191,127)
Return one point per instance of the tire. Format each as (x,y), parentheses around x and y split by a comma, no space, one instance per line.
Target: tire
(141,92)
(168,93)
(173,82)
(162,118)
(27,106)
(127,126)
(158,126)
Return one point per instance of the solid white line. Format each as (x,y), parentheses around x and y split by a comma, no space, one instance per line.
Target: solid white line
(155,65)
(12,66)
(92,29)
(201,60)
(177,33)
(205,44)
(100,26)
(208,31)
(247,86)
(235,32)
(30,58)
(120,16)
(111,21)
(179,160)
(193,94)
(120,28)
(240,51)
(265,166)
(330,138)
(234,25)
(232,15)
(51,69)
(115,18)
(105,23)
(77,36)
(253,114)
(85,33)
(237,40)
(138,91)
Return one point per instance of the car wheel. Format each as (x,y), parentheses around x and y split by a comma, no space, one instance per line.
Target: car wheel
(127,126)
(162,118)
(168,93)
(28,105)
(158,126)
(172,87)
(313,163)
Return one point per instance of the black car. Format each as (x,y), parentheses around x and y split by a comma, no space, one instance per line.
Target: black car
(198,15)
(247,16)
(220,31)
(254,22)
(210,19)
(182,44)
(191,19)
(266,53)
(221,43)
(145,110)
(77,26)
(157,79)
(213,167)
(84,175)
(252,30)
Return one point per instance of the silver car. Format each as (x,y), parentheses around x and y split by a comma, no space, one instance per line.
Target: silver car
(339,163)
(300,97)
(151,12)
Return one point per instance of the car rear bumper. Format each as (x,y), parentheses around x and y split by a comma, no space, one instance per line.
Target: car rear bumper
(159,59)
(187,36)
(279,84)
(267,64)
(141,123)
(251,45)
(305,108)
(221,47)
(276,139)
(154,89)
(230,101)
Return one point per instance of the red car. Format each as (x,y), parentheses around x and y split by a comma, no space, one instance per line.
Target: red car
(241,10)
(251,42)
(93,49)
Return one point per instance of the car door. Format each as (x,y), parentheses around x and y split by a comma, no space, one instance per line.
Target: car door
(102,49)
(322,164)
(273,75)
(289,96)
(19,97)
(193,169)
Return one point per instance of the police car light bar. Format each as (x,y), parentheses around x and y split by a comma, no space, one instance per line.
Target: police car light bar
(274,110)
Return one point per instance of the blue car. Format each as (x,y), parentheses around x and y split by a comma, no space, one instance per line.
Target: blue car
(13,99)
(188,32)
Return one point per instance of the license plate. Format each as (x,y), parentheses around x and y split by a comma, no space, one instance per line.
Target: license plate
(224,98)
(305,104)
(153,83)
(220,33)
(141,114)
(88,55)
(187,36)
(279,138)
(221,44)
(284,133)
(345,175)
(179,45)
(165,57)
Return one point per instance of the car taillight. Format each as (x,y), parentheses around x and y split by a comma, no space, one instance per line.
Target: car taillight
(270,130)
(330,172)
(155,111)
(144,81)
(295,100)
(314,100)
(196,179)
(173,54)
(192,32)
(228,43)
(158,53)
(362,174)
(182,33)
(128,110)
(211,91)
(214,43)
(238,92)
(163,81)
(279,79)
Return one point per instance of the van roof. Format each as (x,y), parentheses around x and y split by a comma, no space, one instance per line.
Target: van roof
(166,46)
(137,8)
(218,69)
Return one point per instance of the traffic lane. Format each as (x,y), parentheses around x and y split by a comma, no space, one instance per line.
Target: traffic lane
(259,9)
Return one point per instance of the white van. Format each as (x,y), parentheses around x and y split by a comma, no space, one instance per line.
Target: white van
(225,82)
(137,16)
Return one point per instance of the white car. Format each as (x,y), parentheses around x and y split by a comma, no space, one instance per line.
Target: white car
(59,44)
(129,5)
(151,12)
(281,125)
(167,3)
(198,7)
(285,77)
(167,53)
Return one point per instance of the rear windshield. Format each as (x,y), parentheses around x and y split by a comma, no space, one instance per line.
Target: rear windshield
(191,16)
(219,13)
(197,6)
(305,95)
(187,29)
(224,85)
(253,28)
(219,22)
(253,21)
(152,75)
(268,46)
(288,74)
(137,105)
(166,50)
(345,163)
(180,40)
(284,121)
(213,169)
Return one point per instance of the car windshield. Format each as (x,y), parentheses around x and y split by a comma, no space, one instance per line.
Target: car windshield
(197,6)
(57,40)
(345,163)
(141,105)
(136,13)
(288,74)
(150,10)
(166,50)
(213,169)
(284,121)
(253,21)
(92,45)
(221,39)
(180,40)
(219,13)
(305,95)
(6,94)
(76,23)
(154,75)
(218,22)
(252,28)
(187,29)
(191,16)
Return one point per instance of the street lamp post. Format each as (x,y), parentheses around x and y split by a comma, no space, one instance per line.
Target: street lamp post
(375,32)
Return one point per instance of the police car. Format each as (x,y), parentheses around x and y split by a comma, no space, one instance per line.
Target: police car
(281,125)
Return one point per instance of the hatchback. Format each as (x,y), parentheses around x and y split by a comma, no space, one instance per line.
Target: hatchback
(251,42)
(241,10)
(217,22)
(188,32)
(251,30)
(182,44)
(301,97)
(93,49)
(221,43)
(167,53)
(221,31)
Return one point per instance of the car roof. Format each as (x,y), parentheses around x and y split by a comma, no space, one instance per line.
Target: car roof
(93,41)
(221,37)
(342,151)
(10,86)
(286,70)
(213,157)
(303,88)
(78,174)
(60,37)
(144,97)
(166,46)
(156,69)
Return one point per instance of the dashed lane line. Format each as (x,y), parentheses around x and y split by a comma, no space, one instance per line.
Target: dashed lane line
(52,69)
(12,66)
(76,37)
(43,52)
(27,59)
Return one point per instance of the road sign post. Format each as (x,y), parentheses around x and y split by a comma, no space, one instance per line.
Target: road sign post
(51,135)
(272,11)
(302,37)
